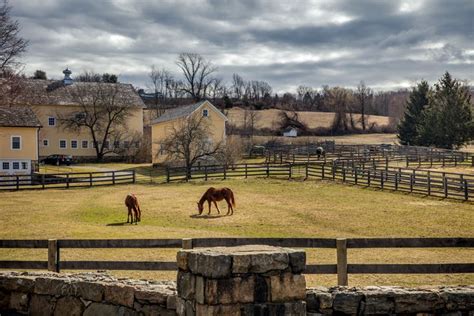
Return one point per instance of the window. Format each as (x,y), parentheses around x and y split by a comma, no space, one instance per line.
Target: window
(24,165)
(80,116)
(16,142)
(95,144)
(205,113)
(62,144)
(51,121)
(106,144)
(116,144)
(5,165)
(85,144)
(137,144)
(74,144)
(45,143)
(16,165)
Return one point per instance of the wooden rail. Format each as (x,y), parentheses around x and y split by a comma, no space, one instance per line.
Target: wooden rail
(66,180)
(432,183)
(342,268)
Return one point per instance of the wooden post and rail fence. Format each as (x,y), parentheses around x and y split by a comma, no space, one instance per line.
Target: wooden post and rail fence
(432,183)
(342,267)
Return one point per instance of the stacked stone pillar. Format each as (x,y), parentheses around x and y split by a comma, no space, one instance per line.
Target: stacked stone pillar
(245,280)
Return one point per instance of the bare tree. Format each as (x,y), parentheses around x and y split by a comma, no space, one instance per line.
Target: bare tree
(216,89)
(363,97)
(161,82)
(197,73)
(231,152)
(11,44)
(189,141)
(340,100)
(237,86)
(103,111)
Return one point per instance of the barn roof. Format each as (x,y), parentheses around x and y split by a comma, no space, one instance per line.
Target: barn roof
(55,92)
(18,116)
(184,111)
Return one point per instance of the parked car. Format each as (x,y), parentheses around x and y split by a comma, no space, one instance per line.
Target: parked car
(57,160)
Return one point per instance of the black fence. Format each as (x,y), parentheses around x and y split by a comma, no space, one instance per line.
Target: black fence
(66,180)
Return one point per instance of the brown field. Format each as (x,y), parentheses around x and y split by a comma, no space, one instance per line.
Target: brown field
(265,208)
(269,118)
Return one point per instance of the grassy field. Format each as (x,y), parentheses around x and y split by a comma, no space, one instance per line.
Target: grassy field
(269,118)
(265,208)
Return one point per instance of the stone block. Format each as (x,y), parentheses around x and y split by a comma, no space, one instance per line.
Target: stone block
(378,303)
(458,298)
(261,292)
(70,306)
(186,285)
(297,260)
(417,301)
(18,284)
(287,287)
(18,301)
(347,302)
(240,263)
(228,291)
(265,262)
(95,309)
(182,260)
(180,306)
(54,286)
(209,264)
(150,295)
(200,290)
(4,299)
(171,302)
(42,305)
(119,294)
(90,291)
(210,310)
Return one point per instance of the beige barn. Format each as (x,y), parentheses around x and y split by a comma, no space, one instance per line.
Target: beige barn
(172,118)
(19,129)
(52,99)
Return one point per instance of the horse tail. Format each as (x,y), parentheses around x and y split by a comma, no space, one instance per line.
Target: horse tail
(232,197)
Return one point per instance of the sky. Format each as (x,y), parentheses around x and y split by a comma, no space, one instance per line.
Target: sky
(387,44)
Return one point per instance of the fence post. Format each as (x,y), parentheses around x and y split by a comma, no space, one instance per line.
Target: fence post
(466,190)
(407,161)
(67,181)
(205,172)
(245,171)
(42,180)
(134,177)
(355,175)
(268,171)
(411,182)
(381,179)
(167,174)
(333,170)
(53,255)
(429,183)
(445,186)
(368,177)
(455,160)
(225,173)
(343,174)
(396,181)
(90,179)
(187,243)
(113,177)
(322,170)
(17,182)
(306,174)
(341,246)
(472,161)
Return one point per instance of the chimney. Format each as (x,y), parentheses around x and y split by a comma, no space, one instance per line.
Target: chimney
(67,77)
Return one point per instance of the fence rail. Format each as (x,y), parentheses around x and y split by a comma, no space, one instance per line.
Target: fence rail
(431,183)
(342,268)
(66,180)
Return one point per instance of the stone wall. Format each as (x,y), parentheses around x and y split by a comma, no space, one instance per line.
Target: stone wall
(84,294)
(101,294)
(391,300)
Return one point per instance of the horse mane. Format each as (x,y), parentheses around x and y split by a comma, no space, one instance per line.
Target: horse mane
(203,198)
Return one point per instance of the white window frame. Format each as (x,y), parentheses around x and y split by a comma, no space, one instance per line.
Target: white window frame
(47,142)
(7,163)
(54,121)
(65,143)
(82,144)
(11,142)
(13,165)
(77,144)
(24,165)
(205,111)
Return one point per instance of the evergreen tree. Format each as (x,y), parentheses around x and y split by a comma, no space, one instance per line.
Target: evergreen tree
(407,128)
(448,121)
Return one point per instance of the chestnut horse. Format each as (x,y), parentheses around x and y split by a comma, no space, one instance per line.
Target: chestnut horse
(131,202)
(215,195)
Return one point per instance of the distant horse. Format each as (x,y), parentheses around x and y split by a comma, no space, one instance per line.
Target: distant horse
(131,202)
(320,152)
(215,195)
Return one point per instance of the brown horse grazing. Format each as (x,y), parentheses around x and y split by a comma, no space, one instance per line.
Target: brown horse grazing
(215,195)
(131,202)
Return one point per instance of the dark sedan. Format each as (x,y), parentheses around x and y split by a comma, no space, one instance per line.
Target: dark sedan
(57,160)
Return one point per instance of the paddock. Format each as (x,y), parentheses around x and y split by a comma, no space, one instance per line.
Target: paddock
(265,208)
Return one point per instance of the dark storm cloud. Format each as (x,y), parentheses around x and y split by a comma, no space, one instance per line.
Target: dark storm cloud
(385,43)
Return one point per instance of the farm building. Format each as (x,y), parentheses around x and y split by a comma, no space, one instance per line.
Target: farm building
(19,129)
(290,132)
(54,100)
(172,118)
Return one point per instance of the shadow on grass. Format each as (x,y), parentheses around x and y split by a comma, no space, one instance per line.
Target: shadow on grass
(205,216)
(118,224)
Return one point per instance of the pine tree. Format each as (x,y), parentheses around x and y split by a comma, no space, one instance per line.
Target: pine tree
(447,121)
(407,128)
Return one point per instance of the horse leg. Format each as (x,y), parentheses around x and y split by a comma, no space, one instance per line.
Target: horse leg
(129,214)
(218,211)
(209,204)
